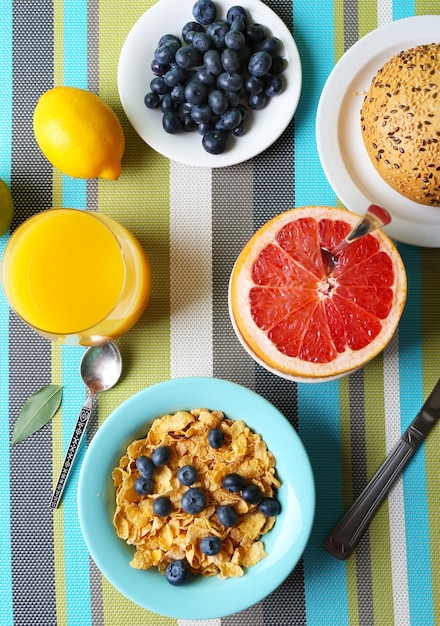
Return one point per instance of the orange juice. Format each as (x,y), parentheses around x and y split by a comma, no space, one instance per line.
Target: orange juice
(76,276)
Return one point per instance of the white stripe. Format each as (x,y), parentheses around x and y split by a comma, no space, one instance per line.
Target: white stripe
(395,498)
(191,271)
(384,12)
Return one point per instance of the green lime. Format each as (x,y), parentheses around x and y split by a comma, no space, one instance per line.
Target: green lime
(6,207)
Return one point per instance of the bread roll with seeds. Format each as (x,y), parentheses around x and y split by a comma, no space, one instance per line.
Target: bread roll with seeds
(400,122)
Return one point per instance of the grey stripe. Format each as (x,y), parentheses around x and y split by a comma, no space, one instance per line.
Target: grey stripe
(351,24)
(232,226)
(30,356)
(359,479)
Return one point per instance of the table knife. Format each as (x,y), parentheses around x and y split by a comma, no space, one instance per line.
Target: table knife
(346,534)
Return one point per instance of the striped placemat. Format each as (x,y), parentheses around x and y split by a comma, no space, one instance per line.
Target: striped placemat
(193,222)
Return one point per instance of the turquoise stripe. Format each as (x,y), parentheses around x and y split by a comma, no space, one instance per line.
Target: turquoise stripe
(76,557)
(5,174)
(414,476)
(324,576)
(311,185)
(403,8)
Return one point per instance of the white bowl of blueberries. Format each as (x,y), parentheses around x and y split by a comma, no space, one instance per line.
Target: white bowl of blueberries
(223,82)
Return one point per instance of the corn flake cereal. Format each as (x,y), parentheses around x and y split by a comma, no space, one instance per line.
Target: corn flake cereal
(161,540)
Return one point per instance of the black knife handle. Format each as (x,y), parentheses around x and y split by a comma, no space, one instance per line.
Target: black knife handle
(346,534)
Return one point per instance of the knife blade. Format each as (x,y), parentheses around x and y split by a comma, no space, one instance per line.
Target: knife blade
(345,536)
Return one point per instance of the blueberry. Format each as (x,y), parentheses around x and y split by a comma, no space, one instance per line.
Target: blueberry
(193,501)
(274,85)
(238,25)
(187,475)
(167,103)
(191,27)
(169,37)
(270,45)
(230,119)
(196,92)
(165,53)
(204,12)
(188,57)
(217,31)
(216,438)
(278,64)
(269,507)
(210,545)
(158,85)
(254,84)
(143,486)
(255,33)
(215,141)
(235,40)
(189,125)
(202,42)
(204,76)
(159,69)
(178,94)
(174,76)
(230,81)
(201,113)
(205,127)
(236,13)
(177,573)
(257,101)
(233,482)
(161,455)
(145,466)
(152,100)
(213,62)
(240,130)
(230,60)
(251,493)
(218,101)
(226,515)
(259,63)
(162,506)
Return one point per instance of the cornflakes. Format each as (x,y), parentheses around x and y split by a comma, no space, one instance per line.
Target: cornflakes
(161,540)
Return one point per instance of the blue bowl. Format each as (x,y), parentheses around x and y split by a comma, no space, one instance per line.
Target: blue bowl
(202,598)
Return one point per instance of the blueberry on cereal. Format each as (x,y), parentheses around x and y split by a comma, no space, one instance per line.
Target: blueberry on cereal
(193,501)
(211,545)
(187,475)
(143,486)
(162,506)
(251,493)
(145,466)
(161,456)
(226,515)
(269,507)
(216,438)
(177,573)
(233,482)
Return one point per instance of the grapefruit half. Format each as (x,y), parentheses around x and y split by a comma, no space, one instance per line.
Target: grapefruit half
(302,321)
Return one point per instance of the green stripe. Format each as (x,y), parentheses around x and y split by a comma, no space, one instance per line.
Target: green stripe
(140,201)
(430,266)
(380,550)
(367,16)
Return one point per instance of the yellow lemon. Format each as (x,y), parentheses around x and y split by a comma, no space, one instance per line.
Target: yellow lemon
(6,207)
(79,133)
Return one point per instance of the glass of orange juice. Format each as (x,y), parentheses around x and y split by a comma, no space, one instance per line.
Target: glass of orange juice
(76,277)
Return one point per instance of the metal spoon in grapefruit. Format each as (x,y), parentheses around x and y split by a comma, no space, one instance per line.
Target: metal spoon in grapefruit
(303,322)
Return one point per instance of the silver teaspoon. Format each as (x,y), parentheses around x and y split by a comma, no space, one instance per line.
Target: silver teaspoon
(100,369)
(375,217)
(346,534)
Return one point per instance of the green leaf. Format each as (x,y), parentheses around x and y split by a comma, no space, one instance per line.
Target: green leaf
(38,409)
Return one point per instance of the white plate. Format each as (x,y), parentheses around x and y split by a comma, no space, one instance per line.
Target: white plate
(340,145)
(134,75)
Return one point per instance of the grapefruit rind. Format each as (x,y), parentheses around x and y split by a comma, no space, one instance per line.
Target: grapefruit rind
(257,342)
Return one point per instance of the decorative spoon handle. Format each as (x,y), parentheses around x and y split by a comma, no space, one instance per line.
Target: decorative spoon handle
(346,534)
(81,424)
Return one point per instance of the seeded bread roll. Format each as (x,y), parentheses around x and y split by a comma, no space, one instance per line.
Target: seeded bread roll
(400,122)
